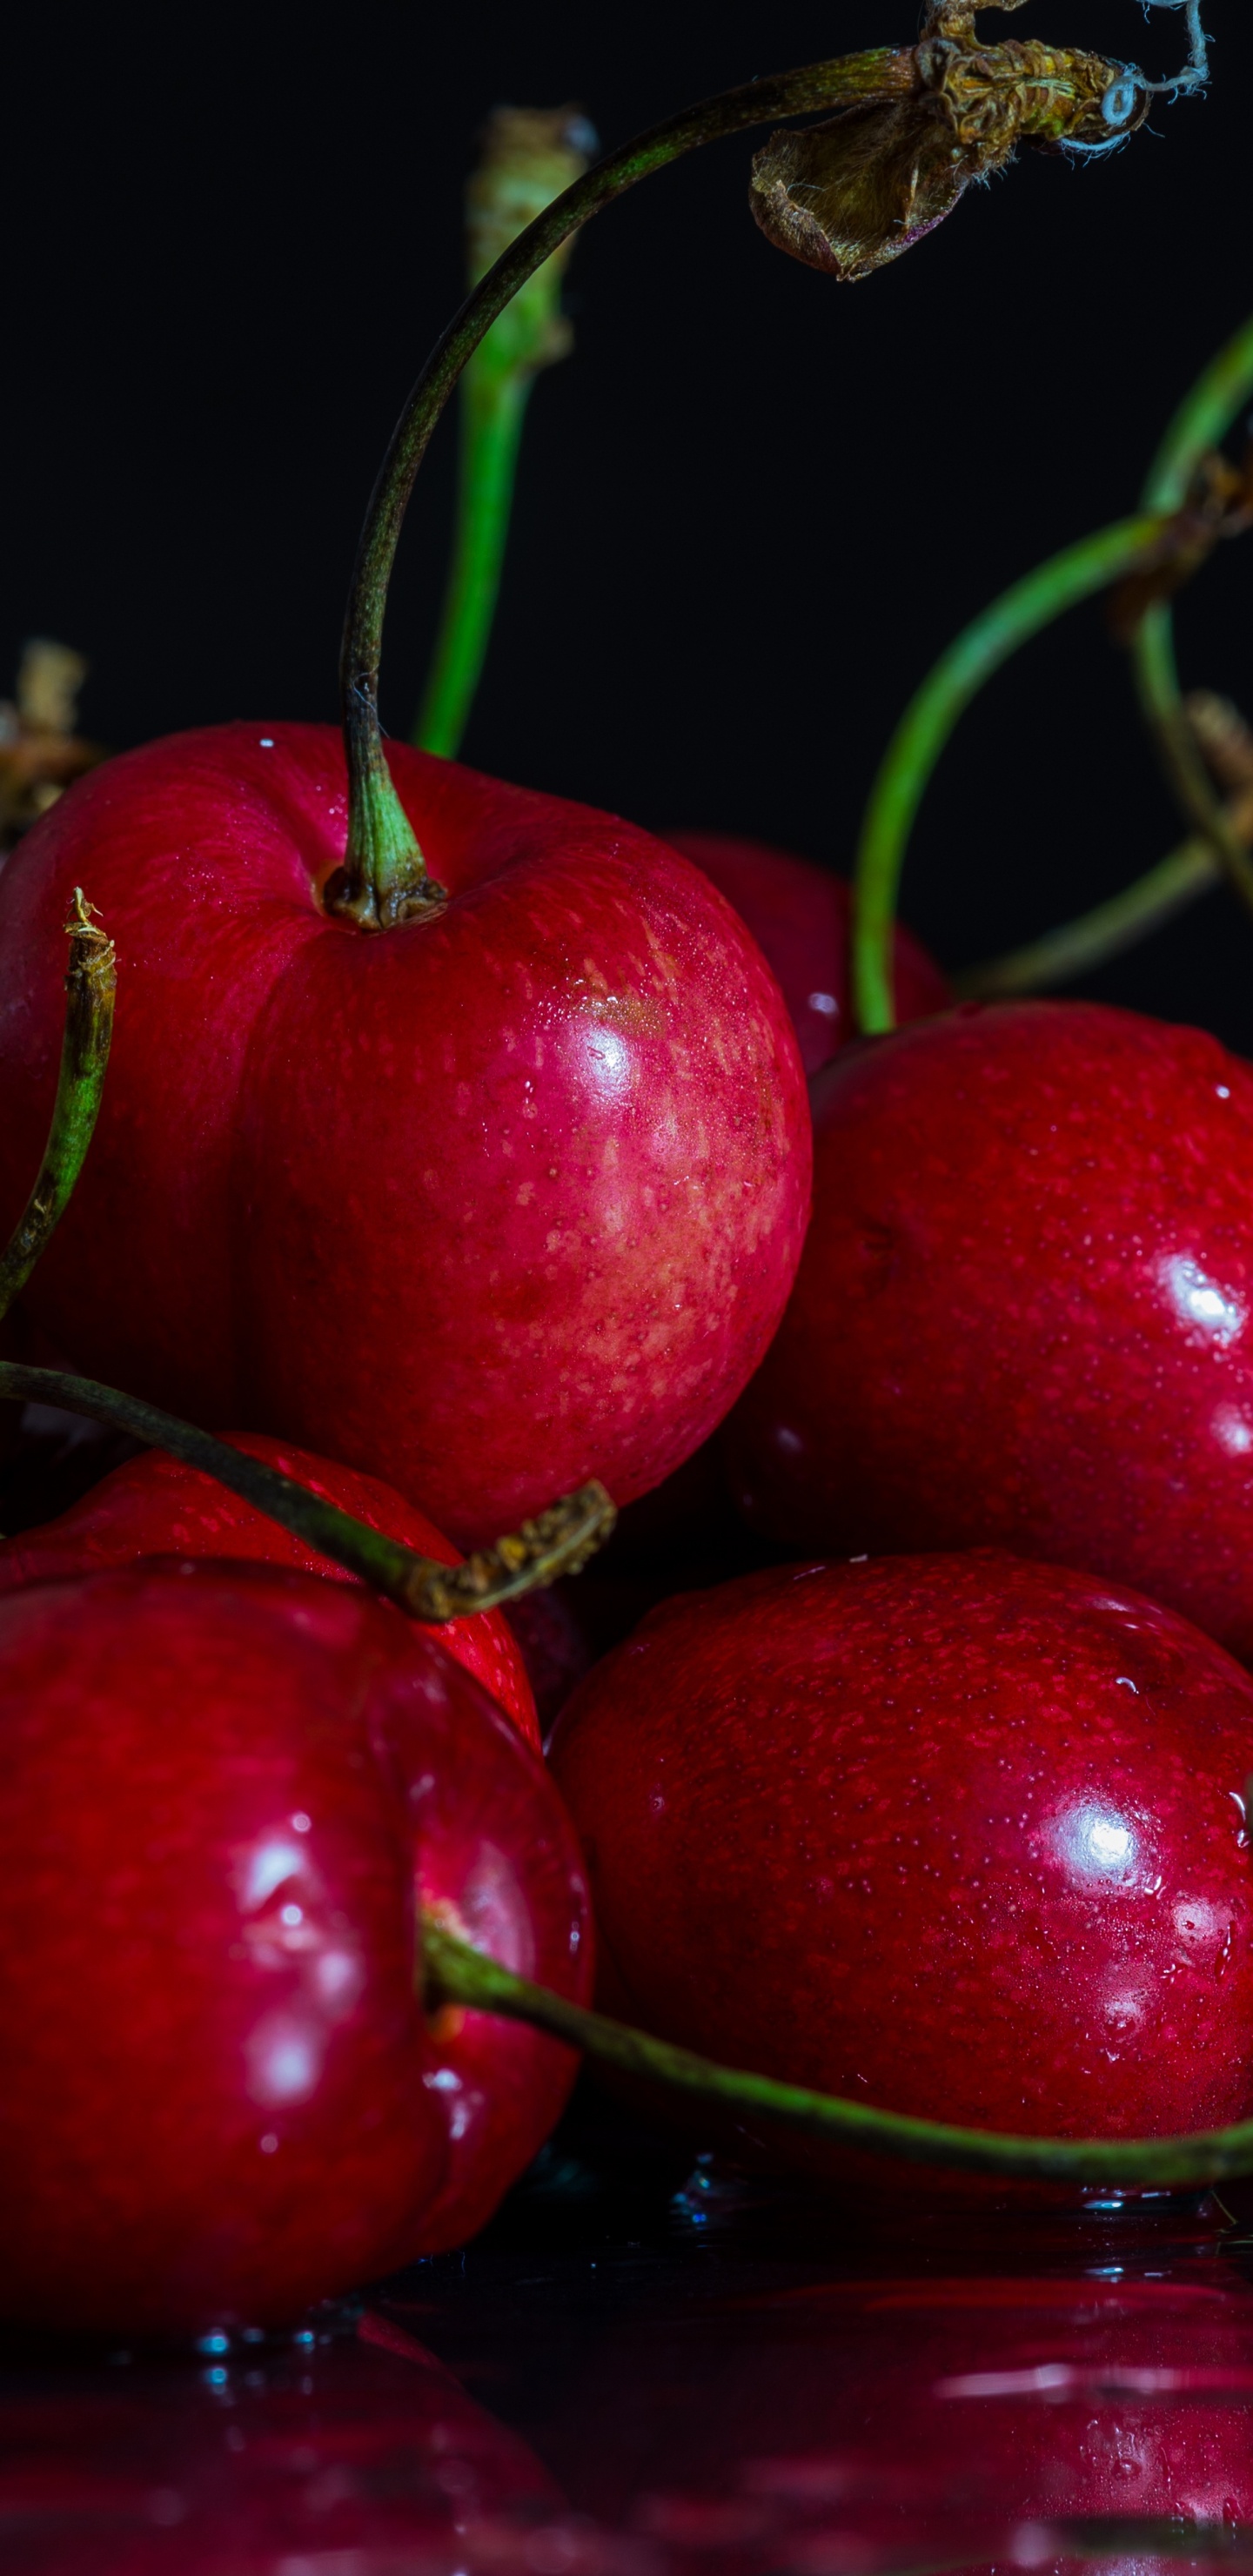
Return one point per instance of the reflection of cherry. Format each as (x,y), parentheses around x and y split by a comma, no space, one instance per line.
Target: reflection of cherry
(484,1203)
(853,2423)
(957,1836)
(158,1506)
(1025,1308)
(344,2454)
(220,1789)
(799,915)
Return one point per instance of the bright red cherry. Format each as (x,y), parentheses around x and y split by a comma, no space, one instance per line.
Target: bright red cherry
(798,914)
(954,1835)
(1025,1309)
(157,1506)
(222,1791)
(484,1204)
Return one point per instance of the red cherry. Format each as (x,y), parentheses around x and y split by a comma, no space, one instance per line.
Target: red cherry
(799,915)
(157,1506)
(956,1836)
(1023,1313)
(221,1789)
(484,1204)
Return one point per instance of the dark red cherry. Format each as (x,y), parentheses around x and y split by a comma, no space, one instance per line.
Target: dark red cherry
(158,1506)
(1025,1308)
(483,1204)
(954,1835)
(798,914)
(224,1790)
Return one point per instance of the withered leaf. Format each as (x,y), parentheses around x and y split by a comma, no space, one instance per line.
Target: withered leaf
(851,194)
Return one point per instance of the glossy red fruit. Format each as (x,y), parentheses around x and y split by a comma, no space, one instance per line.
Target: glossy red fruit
(221,1791)
(485,1204)
(157,1506)
(798,914)
(1023,1313)
(958,1836)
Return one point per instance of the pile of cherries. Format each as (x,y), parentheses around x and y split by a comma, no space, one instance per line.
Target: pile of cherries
(947,1817)
(456,1148)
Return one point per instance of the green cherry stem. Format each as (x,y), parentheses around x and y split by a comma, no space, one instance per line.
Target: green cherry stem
(90,988)
(493,408)
(1202,421)
(1161,703)
(384,877)
(1076,947)
(1199,426)
(456,1974)
(557,1541)
(988,642)
(529,155)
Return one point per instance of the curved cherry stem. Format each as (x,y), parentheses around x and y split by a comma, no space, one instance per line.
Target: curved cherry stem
(1199,426)
(454,1973)
(527,157)
(90,987)
(557,1541)
(1161,703)
(1109,929)
(1202,421)
(384,877)
(988,642)
(493,412)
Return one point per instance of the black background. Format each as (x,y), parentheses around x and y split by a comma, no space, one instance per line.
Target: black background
(753,505)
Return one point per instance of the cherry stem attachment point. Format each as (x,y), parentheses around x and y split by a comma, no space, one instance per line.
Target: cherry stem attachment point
(454,1973)
(384,879)
(90,987)
(558,1541)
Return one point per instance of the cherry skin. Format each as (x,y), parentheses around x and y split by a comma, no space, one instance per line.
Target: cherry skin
(1023,1313)
(953,1835)
(484,1204)
(158,1506)
(222,1789)
(799,915)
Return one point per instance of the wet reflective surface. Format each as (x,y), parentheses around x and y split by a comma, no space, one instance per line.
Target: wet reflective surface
(651,2364)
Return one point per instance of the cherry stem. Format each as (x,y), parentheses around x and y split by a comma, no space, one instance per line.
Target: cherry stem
(493,411)
(384,877)
(1227,743)
(905,771)
(1106,931)
(90,988)
(529,155)
(1201,423)
(558,1541)
(454,1973)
